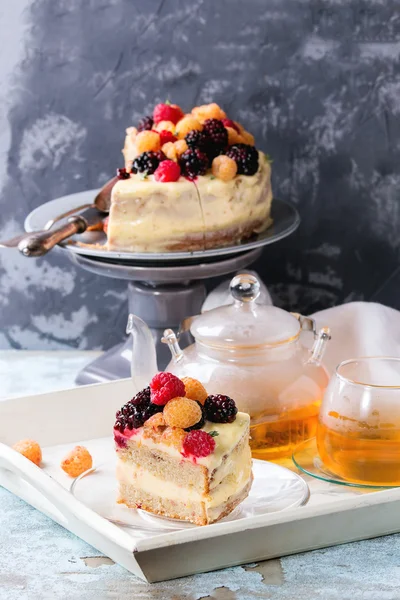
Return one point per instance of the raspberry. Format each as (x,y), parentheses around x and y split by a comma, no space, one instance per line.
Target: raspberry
(220,409)
(198,139)
(198,443)
(199,424)
(105,224)
(145,124)
(231,124)
(30,449)
(155,421)
(208,111)
(194,389)
(166,136)
(147,162)
(233,136)
(187,124)
(167,112)
(77,461)
(224,167)
(217,134)
(167,171)
(247,138)
(173,436)
(165,126)
(182,412)
(193,163)
(164,387)
(122,174)
(147,141)
(246,158)
(170,151)
(180,147)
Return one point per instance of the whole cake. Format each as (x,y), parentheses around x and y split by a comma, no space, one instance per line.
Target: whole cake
(190,182)
(181,453)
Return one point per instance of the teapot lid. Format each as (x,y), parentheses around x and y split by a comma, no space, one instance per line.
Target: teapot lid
(245,323)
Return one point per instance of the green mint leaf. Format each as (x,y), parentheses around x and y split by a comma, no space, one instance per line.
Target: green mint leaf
(213,433)
(212,177)
(143,175)
(167,102)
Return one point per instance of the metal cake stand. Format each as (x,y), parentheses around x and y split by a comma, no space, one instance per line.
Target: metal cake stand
(162,289)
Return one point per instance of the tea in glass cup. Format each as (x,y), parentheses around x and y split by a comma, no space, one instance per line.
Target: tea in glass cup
(358,431)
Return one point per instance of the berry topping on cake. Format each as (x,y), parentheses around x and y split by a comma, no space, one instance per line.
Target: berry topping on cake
(167,112)
(186,125)
(122,174)
(105,224)
(200,424)
(224,167)
(165,126)
(30,449)
(180,147)
(246,158)
(155,421)
(220,409)
(166,136)
(135,412)
(146,141)
(231,124)
(194,389)
(193,162)
(182,412)
(218,135)
(77,461)
(173,436)
(208,111)
(142,397)
(198,444)
(147,162)
(164,387)
(198,139)
(167,171)
(145,124)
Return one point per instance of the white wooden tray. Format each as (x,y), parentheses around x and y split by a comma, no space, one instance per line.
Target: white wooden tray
(334,515)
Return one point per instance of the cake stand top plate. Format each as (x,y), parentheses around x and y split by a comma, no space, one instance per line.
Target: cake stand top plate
(285,221)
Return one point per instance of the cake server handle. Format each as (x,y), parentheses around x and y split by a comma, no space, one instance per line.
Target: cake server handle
(64,508)
(39,243)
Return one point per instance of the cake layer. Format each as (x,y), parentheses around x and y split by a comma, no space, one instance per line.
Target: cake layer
(151,216)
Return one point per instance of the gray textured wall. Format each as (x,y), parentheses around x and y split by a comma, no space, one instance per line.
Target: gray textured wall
(317,82)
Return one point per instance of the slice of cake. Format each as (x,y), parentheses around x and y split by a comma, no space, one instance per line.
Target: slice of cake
(190,182)
(182,454)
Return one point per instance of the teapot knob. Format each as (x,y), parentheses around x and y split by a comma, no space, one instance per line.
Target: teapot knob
(245,287)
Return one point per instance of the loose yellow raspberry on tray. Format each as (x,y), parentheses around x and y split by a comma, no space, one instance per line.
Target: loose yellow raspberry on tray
(77,461)
(30,449)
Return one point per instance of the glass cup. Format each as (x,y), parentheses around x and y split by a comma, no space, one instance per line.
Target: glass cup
(358,431)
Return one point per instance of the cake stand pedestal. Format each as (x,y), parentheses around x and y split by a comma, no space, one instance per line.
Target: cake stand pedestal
(162,295)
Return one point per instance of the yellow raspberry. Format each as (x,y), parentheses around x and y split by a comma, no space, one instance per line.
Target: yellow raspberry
(233,136)
(165,126)
(30,449)
(180,147)
(77,461)
(247,138)
(170,151)
(182,412)
(194,389)
(155,421)
(146,141)
(239,126)
(208,111)
(188,123)
(173,436)
(224,168)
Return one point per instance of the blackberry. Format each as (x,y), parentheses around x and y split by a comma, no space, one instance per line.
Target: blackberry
(193,162)
(218,136)
(246,158)
(220,409)
(122,174)
(147,162)
(145,124)
(135,412)
(198,139)
(200,423)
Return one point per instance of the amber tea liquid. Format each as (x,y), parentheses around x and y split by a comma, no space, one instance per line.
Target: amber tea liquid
(277,436)
(362,455)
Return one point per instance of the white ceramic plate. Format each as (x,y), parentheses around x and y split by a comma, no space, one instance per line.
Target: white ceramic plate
(285,221)
(274,489)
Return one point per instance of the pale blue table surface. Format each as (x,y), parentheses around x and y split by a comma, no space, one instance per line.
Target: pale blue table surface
(40,560)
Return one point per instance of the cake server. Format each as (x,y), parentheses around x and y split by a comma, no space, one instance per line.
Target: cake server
(39,243)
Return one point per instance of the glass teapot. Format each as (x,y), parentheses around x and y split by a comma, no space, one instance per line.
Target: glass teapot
(251,352)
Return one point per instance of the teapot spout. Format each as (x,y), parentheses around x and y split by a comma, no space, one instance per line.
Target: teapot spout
(144,360)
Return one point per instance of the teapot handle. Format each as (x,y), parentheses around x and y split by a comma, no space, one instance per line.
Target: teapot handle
(321,338)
